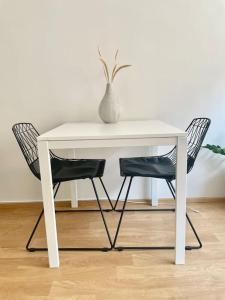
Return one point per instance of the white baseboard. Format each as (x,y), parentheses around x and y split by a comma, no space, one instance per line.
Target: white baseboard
(40,200)
(161,200)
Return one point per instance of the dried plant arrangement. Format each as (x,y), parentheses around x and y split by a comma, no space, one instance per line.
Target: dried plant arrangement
(110,77)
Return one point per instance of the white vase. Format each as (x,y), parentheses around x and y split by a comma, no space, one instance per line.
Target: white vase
(109,108)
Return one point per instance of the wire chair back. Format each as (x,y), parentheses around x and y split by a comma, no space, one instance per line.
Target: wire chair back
(26,136)
(196,133)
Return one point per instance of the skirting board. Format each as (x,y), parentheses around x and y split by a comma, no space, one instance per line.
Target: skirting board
(161,200)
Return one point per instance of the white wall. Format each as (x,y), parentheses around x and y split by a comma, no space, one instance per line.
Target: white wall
(50,74)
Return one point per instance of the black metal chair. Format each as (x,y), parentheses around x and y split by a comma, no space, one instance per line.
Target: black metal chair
(163,167)
(62,170)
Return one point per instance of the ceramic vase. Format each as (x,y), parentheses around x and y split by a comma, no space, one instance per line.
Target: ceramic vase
(109,108)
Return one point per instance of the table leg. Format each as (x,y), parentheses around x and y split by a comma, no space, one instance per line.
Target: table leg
(181,173)
(154,190)
(73,185)
(48,201)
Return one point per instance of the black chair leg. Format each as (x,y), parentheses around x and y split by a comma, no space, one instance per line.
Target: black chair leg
(56,187)
(120,248)
(137,209)
(90,210)
(33,232)
(173,192)
(102,214)
(28,248)
(107,195)
(121,189)
(122,212)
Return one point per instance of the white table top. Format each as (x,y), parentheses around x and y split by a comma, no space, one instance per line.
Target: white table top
(121,130)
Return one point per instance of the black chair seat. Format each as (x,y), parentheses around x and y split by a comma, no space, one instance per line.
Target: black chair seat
(153,166)
(69,169)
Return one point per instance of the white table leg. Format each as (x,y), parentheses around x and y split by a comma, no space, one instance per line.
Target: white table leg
(154,190)
(48,201)
(73,185)
(181,173)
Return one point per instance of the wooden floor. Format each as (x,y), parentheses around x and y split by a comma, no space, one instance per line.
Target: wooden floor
(129,275)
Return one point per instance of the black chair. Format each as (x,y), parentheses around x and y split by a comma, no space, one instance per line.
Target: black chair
(62,170)
(163,167)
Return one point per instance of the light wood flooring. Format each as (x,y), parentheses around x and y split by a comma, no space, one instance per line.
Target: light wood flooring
(127,275)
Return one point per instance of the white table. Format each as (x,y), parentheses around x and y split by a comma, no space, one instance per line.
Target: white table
(99,135)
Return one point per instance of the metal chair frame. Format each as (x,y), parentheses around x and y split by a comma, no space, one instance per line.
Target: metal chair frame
(196,132)
(104,249)
(26,136)
(172,189)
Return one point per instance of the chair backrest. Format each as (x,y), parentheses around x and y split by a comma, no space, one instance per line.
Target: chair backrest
(196,133)
(26,136)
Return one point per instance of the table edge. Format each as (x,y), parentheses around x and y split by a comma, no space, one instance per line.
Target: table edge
(180,134)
